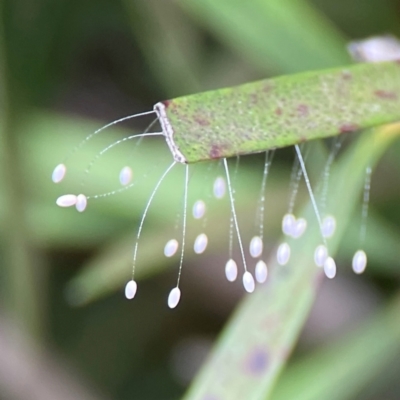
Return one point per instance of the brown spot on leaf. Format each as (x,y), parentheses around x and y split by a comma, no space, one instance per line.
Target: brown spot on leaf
(385,94)
(302,109)
(348,127)
(201,120)
(278,111)
(267,87)
(215,152)
(254,99)
(303,139)
(166,103)
(346,75)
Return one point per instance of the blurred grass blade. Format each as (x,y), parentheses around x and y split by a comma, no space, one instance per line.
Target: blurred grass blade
(273,33)
(257,341)
(168,42)
(111,268)
(22,268)
(342,369)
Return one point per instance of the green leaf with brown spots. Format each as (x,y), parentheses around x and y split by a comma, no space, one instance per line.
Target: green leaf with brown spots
(282,111)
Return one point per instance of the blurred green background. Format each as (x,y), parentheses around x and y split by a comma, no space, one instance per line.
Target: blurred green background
(66,68)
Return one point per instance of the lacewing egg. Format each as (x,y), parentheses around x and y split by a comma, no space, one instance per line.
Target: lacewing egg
(67,200)
(231,270)
(283,254)
(330,268)
(174,297)
(81,202)
(171,248)
(359,262)
(59,173)
(130,289)
(261,271)
(320,255)
(200,244)
(248,282)
(256,247)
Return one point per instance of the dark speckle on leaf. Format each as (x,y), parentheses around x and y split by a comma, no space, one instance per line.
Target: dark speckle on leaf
(202,121)
(346,75)
(302,110)
(303,139)
(215,152)
(348,127)
(267,87)
(386,95)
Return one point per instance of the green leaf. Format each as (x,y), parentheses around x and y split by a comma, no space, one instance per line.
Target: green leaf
(282,111)
(273,33)
(340,370)
(168,42)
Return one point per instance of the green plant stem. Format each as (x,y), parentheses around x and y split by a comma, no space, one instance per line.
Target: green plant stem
(20,286)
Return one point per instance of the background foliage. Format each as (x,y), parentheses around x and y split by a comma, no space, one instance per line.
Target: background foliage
(66,68)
